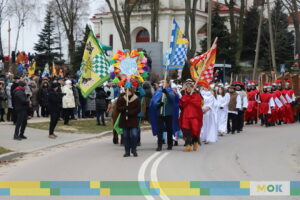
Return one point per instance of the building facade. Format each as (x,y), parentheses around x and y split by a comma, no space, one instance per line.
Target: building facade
(107,33)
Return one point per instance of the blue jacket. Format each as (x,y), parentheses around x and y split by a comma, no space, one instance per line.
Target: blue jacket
(170,108)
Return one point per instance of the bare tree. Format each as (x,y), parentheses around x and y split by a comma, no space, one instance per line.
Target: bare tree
(21,9)
(123,25)
(70,12)
(190,25)
(3,14)
(293,8)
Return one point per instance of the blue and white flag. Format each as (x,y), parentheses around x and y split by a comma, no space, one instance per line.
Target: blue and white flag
(46,71)
(178,49)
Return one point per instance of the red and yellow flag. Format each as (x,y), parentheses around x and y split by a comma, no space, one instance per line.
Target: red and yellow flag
(203,65)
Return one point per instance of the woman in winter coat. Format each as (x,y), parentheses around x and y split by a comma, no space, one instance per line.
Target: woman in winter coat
(68,101)
(43,98)
(34,98)
(100,104)
(9,102)
(3,99)
(91,104)
(129,120)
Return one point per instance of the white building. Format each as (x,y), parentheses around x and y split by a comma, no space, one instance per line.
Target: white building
(107,33)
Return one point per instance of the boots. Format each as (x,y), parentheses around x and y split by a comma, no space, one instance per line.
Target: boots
(195,147)
(187,148)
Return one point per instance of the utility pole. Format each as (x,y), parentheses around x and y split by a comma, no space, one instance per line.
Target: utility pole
(261,16)
(209,22)
(271,37)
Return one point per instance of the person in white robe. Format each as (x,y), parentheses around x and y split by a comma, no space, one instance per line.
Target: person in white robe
(223,99)
(209,132)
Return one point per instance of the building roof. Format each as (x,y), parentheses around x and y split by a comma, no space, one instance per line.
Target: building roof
(223,8)
(290,19)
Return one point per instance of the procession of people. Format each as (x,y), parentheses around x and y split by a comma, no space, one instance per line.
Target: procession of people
(197,113)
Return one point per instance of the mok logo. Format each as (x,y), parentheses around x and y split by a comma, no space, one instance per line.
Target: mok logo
(264,188)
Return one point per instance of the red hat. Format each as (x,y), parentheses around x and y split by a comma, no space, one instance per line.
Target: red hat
(266,85)
(278,82)
(242,83)
(236,82)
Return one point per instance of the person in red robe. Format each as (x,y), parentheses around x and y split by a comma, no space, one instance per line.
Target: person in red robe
(251,111)
(191,116)
(281,111)
(266,104)
(289,95)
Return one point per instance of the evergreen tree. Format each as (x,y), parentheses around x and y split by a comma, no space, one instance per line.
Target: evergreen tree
(250,34)
(46,47)
(225,51)
(80,50)
(283,38)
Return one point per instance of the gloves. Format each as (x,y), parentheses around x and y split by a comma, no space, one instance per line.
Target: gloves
(161,104)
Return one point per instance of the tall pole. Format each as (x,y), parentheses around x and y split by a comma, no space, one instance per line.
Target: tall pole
(209,22)
(271,37)
(261,16)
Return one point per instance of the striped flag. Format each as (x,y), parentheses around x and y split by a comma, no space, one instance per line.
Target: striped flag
(206,72)
(178,49)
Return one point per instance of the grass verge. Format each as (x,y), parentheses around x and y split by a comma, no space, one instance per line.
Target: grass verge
(76,126)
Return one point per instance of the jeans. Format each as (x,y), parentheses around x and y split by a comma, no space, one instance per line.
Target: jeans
(130,139)
(100,113)
(54,117)
(21,123)
(165,121)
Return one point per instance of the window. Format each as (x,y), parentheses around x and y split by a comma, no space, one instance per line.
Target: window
(143,36)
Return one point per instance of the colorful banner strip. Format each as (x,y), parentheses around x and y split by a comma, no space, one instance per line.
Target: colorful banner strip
(149,188)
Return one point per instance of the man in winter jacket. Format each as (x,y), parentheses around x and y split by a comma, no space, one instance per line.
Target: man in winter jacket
(21,104)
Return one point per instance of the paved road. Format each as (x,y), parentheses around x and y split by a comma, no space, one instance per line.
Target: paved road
(266,154)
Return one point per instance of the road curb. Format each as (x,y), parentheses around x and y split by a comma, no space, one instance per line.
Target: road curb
(13,155)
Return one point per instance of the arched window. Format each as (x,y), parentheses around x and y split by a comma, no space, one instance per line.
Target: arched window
(143,36)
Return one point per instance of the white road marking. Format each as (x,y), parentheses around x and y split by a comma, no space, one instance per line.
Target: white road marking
(142,171)
(154,171)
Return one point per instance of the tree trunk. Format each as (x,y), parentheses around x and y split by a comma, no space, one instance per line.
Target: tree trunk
(187,19)
(296,26)
(17,39)
(271,37)
(261,16)
(240,34)
(1,46)
(209,24)
(71,49)
(193,44)
(154,20)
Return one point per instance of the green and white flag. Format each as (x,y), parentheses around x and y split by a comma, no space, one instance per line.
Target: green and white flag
(94,66)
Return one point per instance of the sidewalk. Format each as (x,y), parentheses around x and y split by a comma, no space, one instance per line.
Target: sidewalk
(37,140)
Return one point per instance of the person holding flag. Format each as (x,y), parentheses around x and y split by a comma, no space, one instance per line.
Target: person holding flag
(191,116)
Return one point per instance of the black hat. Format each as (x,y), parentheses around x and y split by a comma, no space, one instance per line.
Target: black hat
(22,84)
(55,85)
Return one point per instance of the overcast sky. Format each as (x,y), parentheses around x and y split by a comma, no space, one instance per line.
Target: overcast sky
(29,34)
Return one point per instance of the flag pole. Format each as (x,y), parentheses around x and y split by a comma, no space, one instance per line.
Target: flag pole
(199,77)
(164,85)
